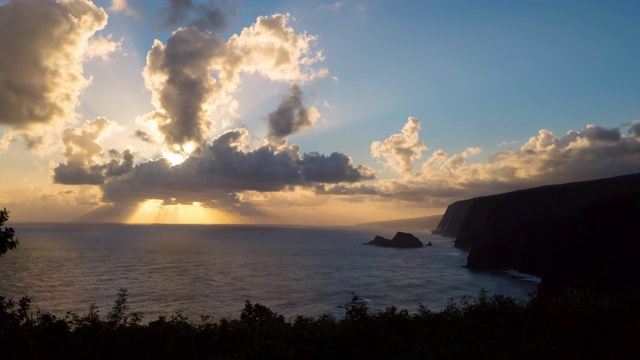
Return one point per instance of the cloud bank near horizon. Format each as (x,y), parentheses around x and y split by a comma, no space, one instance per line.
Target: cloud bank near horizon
(590,153)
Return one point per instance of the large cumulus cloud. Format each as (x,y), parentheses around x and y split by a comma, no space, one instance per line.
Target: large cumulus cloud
(195,73)
(41,56)
(225,169)
(179,77)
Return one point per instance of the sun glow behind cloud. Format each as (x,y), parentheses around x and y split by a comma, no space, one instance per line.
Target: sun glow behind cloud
(154,211)
(179,154)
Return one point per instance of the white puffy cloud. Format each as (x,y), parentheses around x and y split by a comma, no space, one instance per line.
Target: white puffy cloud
(272,48)
(401,150)
(590,153)
(45,43)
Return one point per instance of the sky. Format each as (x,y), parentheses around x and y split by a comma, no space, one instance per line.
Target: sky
(314,112)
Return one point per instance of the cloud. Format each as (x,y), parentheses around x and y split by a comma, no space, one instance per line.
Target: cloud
(273,49)
(291,115)
(41,66)
(336,167)
(189,14)
(225,168)
(590,153)
(144,136)
(195,73)
(335,7)
(179,77)
(102,47)
(634,129)
(81,151)
(400,150)
(123,7)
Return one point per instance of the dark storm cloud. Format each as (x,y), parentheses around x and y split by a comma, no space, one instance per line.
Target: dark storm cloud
(224,168)
(291,115)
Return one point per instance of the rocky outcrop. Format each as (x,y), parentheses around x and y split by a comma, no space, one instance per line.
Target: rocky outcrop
(520,229)
(403,240)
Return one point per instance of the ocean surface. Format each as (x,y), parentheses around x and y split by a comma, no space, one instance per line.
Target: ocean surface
(213,269)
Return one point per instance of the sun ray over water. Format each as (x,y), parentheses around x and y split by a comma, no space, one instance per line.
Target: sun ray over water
(155,211)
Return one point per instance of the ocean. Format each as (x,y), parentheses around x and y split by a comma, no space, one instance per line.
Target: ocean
(213,269)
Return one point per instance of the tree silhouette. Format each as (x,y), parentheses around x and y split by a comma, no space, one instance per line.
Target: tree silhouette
(7,240)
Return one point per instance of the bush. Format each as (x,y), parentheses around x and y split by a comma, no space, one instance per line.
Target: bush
(487,327)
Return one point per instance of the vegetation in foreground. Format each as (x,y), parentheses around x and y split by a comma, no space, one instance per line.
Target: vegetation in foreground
(7,234)
(497,327)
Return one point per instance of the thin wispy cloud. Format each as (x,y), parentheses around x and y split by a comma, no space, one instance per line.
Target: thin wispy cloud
(336,6)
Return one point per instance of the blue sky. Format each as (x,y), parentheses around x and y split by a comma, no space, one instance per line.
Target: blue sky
(482,78)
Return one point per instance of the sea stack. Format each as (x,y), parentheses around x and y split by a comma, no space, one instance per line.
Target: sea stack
(402,240)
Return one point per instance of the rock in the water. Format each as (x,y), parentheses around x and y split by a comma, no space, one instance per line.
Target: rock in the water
(401,239)
(380,241)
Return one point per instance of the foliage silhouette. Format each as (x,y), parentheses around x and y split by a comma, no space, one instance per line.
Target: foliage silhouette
(576,325)
(7,234)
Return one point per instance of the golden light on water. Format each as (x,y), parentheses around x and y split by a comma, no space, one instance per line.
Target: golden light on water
(154,211)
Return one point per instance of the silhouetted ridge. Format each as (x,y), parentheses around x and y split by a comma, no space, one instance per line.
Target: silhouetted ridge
(524,229)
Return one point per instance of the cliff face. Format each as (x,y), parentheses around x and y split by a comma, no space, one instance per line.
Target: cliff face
(520,229)
(602,252)
(453,218)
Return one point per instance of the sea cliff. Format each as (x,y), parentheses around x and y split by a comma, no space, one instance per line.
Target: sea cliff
(525,229)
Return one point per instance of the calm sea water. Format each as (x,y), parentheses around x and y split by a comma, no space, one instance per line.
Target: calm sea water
(212,270)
